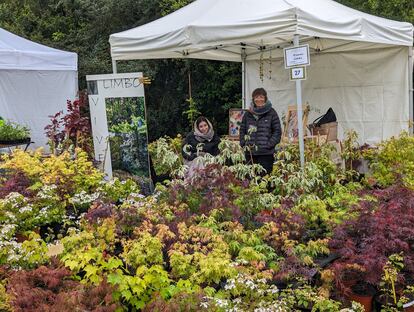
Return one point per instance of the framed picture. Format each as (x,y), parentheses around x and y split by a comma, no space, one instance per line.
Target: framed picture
(291,130)
(235,119)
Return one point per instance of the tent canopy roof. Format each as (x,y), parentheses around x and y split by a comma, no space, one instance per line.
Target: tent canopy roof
(22,54)
(226,29)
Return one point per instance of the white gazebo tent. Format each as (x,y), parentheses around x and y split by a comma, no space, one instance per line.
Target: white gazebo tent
(361,65)
(35,82)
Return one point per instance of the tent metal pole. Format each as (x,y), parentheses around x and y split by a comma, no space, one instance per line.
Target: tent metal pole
(114,67)
(243,57)
(300,112)
(411,88)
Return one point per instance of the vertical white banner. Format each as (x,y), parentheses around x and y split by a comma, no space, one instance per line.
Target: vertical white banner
(104,89)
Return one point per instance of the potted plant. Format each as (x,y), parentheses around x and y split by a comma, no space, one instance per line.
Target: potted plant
(362,293)
(383,228)
(407,299)
(350,282)
(13,133)
(393,297)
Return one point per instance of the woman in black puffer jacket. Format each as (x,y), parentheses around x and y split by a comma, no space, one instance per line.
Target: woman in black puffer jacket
(265,132)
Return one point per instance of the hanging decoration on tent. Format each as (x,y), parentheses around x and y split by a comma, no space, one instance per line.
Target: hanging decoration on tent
(261,70)
(270,64)
(261,67)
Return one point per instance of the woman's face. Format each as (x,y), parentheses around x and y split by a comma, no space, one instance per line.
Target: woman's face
(203,127)
(259,100)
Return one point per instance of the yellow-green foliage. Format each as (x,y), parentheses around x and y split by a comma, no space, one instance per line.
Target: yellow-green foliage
(147,250)
(34,252)
(393,161)
(313,209)
(89,251)
(246,244)
(342,197)
(307,252)
(86,251)
(71,175)
(323,215)
(4,299)
(200,256)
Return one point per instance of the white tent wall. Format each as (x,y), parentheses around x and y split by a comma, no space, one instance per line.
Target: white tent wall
(28,97)
(35,82)
(364,88)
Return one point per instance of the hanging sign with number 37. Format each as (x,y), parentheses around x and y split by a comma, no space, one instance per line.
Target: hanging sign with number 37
(298,73)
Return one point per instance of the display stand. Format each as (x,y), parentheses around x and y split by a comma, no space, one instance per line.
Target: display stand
(27,142)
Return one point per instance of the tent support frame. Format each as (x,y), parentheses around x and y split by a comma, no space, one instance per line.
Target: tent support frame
(300,112)
(411,88)
(114,67)
(243,58)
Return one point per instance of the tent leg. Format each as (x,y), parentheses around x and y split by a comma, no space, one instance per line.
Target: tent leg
(411,88)
(114,67)
(243,55)
(300,112)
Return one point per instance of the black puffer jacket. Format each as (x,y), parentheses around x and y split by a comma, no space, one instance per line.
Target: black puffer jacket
(207,147)
(267,134)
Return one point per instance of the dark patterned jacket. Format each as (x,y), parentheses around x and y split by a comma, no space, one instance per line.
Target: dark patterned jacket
(207,147)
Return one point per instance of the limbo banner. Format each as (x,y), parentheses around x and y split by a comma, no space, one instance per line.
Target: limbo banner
(119,128)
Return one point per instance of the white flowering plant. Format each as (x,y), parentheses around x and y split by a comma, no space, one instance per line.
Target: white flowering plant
(29,214)
(118,190)
(28,254)
(247,293)
(252,293)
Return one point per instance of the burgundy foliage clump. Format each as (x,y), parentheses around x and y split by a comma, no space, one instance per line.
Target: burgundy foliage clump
(51,289)
(182,301)
(99,210)
(287,221)
(210,188)
(291,267)
(286,225)
(73,126)
(383,228)
(17,182)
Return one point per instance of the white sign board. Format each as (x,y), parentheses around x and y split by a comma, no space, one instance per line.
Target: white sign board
(297,56)
(298,73)
(102,88)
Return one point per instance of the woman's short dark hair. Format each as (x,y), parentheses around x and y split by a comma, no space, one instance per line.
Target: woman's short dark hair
(201,119)
(259,91)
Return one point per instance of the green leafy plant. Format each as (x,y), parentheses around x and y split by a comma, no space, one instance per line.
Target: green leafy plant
(389,280)
(200,256)
(29,214)
(350,149)
(118,190)
(192,111)
(10,131)
(28,254)
(166,155)
(393,161)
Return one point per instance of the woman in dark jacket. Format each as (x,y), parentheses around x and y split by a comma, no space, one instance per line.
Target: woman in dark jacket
(265,131)
(201,140)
